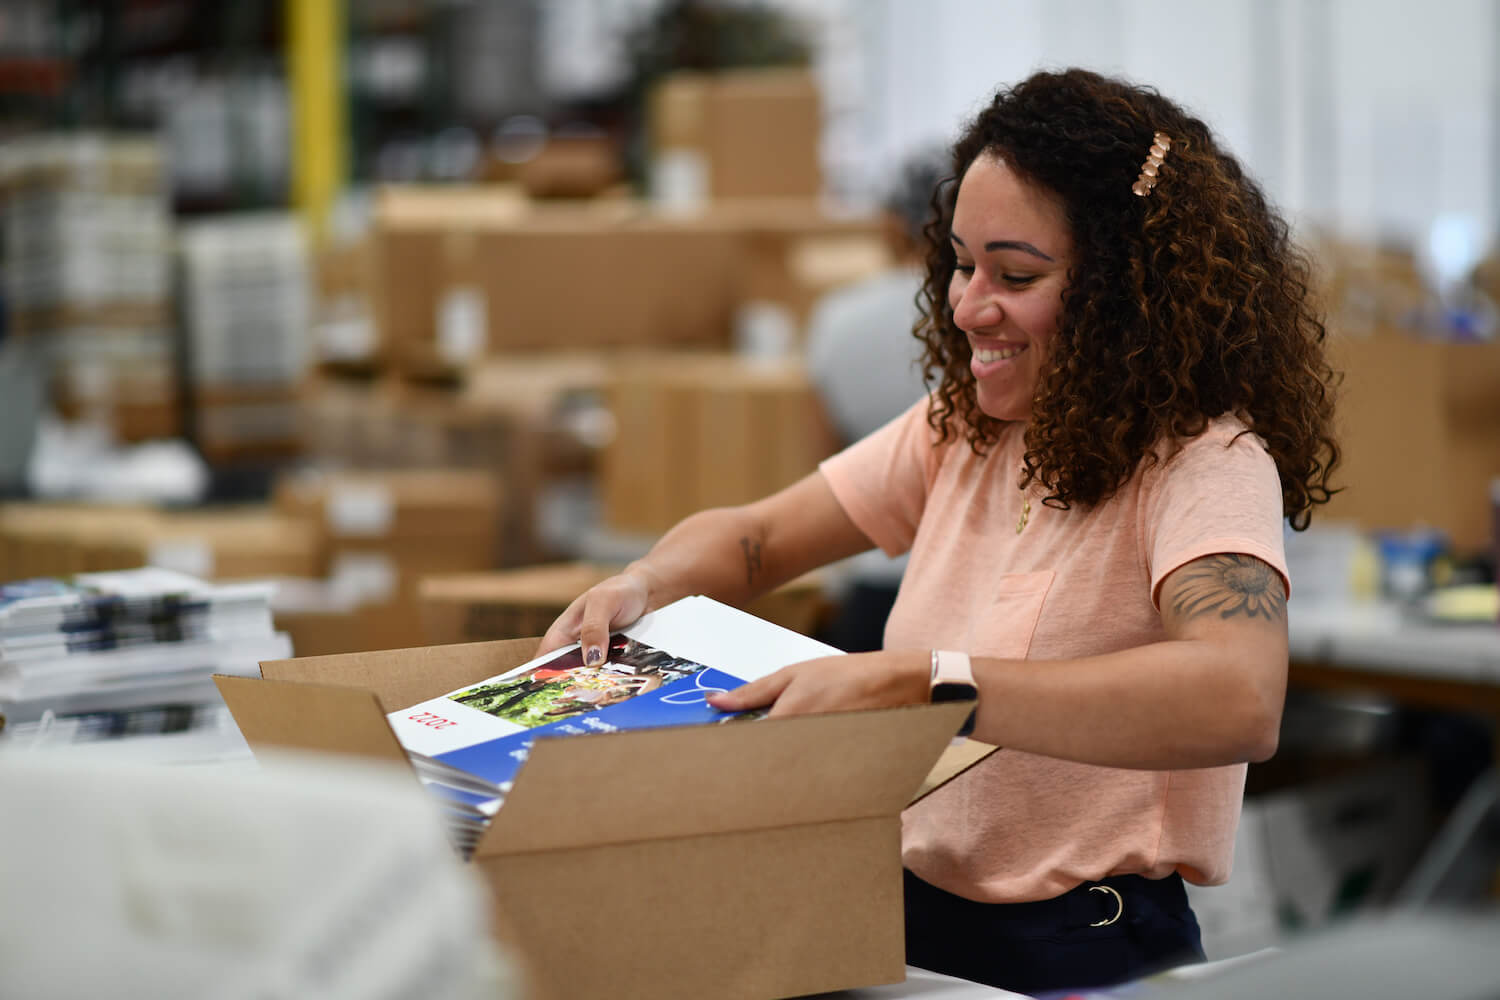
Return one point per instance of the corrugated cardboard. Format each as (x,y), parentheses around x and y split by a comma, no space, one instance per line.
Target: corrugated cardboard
(509,604)
(757,132)
(1419,425)
(743,861)
(421,505)
(450,291)
(697,432)
(229,544)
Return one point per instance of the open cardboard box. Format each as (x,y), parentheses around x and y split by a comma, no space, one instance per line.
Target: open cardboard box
(741,861)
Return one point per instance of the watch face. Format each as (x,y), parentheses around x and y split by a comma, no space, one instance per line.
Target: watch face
(954,691)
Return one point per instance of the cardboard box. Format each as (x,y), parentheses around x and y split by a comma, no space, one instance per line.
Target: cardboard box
(450,291)
(232,544)
(386,529)
(246,420)
(530,421)
(752,133)
(343,331)
(796,250)
(1428,459)
(576,166)
(520,602)
(392,624)
(697,432)
(748,861)
(60,539)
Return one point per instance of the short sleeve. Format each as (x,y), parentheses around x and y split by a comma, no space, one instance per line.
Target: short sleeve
(882,481)
(1219,494)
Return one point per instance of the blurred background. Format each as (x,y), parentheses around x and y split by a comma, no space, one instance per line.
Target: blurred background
(427,314)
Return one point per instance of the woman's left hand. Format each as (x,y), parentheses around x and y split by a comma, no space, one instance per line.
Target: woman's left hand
(836,684)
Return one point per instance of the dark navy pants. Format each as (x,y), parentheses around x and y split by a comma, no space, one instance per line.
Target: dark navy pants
(1098,934)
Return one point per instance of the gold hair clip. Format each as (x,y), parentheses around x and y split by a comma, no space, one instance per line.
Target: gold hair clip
(1147,180)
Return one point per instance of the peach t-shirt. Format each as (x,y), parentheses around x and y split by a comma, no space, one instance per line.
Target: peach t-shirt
(1020,826)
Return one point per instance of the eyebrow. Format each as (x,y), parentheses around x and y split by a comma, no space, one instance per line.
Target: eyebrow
(994,245)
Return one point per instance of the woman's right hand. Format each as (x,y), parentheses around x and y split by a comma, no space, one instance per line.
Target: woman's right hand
(598,611)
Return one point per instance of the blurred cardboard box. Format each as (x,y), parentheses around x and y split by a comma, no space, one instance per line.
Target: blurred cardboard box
(516,603)
(793,251)
(386,529)
(60,539)
(231,544)
(359,628)
(572,166)
(697,432)
(343,327)
(1419,425)
(532,421)
(451,290)
(734,134)
(214,544)
(240,420)
(767,852)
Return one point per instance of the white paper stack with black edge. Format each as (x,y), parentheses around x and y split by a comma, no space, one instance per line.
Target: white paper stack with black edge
(136,644)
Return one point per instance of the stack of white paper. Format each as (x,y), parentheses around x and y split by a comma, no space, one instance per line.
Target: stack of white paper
(129,642)
(467,745)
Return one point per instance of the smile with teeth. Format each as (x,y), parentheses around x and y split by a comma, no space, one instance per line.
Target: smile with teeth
(986,356)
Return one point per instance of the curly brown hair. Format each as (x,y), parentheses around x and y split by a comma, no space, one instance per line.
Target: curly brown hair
(1181,306)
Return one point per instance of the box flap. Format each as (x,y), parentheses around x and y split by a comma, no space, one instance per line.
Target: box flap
(401,677)
(317,717)
(959,756)
(735,776)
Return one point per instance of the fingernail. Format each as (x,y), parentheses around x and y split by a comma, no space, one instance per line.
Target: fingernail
(593,656)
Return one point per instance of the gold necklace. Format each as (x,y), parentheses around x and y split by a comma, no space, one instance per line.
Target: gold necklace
(1025,513)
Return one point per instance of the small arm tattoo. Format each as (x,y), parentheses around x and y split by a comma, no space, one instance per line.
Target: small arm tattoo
(1229,585)
(752,559)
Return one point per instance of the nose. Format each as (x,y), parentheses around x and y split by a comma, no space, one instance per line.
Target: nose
(975,305)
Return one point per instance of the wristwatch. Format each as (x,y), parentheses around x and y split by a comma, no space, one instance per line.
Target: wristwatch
(953,680)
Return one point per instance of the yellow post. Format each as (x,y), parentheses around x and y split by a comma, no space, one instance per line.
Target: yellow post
(315,66)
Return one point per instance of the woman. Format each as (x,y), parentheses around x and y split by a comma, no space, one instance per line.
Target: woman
(1131,395)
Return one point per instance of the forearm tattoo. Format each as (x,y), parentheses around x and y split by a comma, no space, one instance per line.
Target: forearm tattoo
(752,559)
(1230,586)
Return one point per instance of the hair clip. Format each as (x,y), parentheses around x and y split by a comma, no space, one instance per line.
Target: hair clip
(1147,180)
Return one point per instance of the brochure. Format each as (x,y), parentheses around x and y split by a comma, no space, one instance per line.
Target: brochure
(468,744)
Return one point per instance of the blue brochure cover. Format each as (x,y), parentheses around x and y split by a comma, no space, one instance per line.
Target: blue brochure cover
(680,702)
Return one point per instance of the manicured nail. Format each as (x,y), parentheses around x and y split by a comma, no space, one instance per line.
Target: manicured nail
(593,656)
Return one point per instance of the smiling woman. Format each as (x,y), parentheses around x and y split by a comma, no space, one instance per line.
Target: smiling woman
(1130,396)
(1006,294)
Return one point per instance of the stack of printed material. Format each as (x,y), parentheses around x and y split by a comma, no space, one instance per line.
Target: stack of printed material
(129,640)
(468,744)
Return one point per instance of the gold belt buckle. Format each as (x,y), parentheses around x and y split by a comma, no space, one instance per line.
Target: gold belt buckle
(1119,905)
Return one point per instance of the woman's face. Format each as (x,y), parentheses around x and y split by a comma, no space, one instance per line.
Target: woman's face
(1013,253)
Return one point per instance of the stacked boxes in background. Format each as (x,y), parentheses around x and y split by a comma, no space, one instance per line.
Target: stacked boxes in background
(748,133)
(343,329)
(86,262)
(789,253)
(697,432)
(455,283)
(385,531)
(1429,460)
(534,422)
(246,312)
(476,274)
(235,543)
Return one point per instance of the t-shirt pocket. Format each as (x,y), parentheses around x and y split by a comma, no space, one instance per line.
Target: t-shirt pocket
(1003,627)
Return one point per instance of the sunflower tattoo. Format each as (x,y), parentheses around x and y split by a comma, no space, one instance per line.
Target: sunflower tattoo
(1230,585)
